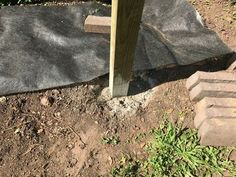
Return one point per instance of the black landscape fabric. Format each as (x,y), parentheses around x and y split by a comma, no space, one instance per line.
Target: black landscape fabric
(43,47)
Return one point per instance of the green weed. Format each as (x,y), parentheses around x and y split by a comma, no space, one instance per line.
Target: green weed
(175,152)
(127,167)
(113,140)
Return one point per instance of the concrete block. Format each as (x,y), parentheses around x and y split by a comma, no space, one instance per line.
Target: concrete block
(218,90)
(210,77)
(218,132)
(96,24)
(208,102)
(202,114)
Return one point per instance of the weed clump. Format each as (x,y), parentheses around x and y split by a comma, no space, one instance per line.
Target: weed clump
(175,152)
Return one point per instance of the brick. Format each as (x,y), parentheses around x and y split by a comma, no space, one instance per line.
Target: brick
(216,102)
(218,132)
(232,67)
(210,77)
(203,114)
(211,102)
(96,24)
(218,90)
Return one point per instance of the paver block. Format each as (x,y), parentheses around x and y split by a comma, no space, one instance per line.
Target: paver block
(212,102)
(218,132)
(208,102)
(96,24)
(202,114)
(210,77)
(218,90)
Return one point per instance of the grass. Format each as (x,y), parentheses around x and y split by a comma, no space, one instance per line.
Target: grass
(112,140)
(176,152)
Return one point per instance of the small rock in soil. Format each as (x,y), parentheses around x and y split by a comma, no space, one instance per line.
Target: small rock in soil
(70,146)
(73,162)
(142,119)
(114,130)
(55,92)
(17,131)
(3,100)
(110,160)
(57,114)
(82,146)
(47,100)
(40,131)
(142,145)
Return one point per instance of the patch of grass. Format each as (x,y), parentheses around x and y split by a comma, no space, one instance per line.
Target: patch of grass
(112,140)
(175,152)
(127,167)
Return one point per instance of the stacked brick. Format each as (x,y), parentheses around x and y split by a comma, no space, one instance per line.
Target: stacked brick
(215,97)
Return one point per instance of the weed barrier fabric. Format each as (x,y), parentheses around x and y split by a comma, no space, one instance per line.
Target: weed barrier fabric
(43,47)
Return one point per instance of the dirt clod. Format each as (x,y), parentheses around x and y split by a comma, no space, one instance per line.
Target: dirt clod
(47,100)
(72,162)
(3,100)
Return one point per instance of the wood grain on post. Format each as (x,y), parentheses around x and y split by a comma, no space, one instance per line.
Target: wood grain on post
(126,18)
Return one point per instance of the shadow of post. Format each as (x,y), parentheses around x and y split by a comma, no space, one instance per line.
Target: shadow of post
(146,80)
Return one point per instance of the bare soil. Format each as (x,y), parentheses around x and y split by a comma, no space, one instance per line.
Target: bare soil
(59,132)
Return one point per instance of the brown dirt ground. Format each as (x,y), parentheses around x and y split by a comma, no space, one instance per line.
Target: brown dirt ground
(64,138)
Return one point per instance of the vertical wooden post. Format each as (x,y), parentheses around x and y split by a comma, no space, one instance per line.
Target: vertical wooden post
(126,18)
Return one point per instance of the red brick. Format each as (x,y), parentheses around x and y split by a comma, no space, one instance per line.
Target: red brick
(218,90)
(96,24)
(210,77)
(218,132)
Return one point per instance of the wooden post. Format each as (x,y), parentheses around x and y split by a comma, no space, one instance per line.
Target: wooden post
(126,18)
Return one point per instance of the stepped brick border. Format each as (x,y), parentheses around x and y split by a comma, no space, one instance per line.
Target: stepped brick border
(215,77)
(218,132)
(219,90)
(215,97)
(214,111)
